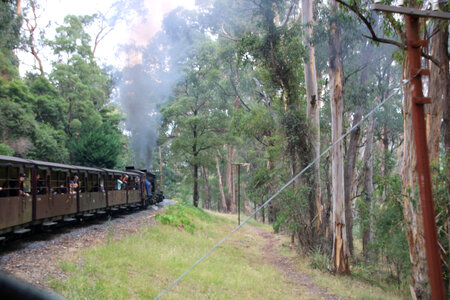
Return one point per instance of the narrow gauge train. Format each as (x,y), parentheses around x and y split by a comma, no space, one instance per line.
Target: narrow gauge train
(39,193)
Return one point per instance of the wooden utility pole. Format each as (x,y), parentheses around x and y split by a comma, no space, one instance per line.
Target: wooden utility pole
(238,168)
(239,194)
(418,116)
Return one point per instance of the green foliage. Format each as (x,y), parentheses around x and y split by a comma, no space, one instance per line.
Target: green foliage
(181,215)
(48,106)
(441,190)
(389,238)
(49,144)
(6,150)
(320,260)
(9,25)
(72,37)
(96,146)
(196,115)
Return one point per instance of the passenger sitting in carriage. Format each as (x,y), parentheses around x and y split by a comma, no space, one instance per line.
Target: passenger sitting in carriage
(40,185)
(75,185)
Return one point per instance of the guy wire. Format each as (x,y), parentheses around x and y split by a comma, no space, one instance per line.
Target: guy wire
(395,90)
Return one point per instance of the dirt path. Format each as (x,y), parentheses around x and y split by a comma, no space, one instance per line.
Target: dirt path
(286,265)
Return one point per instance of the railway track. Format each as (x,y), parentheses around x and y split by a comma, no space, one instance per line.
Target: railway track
(39,237)
(36,257)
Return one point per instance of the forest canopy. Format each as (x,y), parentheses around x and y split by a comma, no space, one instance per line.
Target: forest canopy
(261,85)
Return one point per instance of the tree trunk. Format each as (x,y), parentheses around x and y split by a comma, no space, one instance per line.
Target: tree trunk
(247,205)
(19,8)
(204,194)
(349,172)
(161,180)
(368,186)
(352,151)
(326,225)
(207,203)
(263,214)
(439,109)
(195,168)
(340,243)
(446,129)
(223,201)
(31,25)
(439,79)
(412,212)
(195,196)
(313,103)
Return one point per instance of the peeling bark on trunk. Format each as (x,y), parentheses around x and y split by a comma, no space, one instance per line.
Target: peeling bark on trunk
(368,184)
(340,244)
(349,172)
(439,81)
(327,214)
(313,103)
(223,201)
(413,213)
(439,108)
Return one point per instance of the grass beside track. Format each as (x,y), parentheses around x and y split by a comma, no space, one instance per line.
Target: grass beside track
(141,265)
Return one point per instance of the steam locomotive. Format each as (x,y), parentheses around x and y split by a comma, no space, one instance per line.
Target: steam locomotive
(38,193)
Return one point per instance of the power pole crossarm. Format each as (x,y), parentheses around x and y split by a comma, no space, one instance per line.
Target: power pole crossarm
(410,11)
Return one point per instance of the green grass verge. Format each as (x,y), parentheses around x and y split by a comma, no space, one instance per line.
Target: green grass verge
(353,286)
(141,265)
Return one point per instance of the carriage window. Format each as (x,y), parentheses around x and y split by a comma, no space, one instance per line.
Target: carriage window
(27,181)
(42,182)
(58,182)
(110,183)
(9,181)
(3,181)
(102,184)
(82,181)
(93,183)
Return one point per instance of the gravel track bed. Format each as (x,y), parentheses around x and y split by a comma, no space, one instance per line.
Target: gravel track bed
(35,259)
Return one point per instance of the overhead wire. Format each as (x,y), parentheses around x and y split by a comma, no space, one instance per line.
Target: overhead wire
(395,90)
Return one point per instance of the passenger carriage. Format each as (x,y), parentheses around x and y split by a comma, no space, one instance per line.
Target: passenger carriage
(51,196)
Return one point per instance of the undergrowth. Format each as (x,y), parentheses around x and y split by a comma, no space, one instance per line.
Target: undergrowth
(177,216)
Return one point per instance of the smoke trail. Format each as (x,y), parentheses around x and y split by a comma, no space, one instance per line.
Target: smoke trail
(148,79)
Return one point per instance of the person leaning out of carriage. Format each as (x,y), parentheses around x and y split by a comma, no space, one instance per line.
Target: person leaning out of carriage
(17,187)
